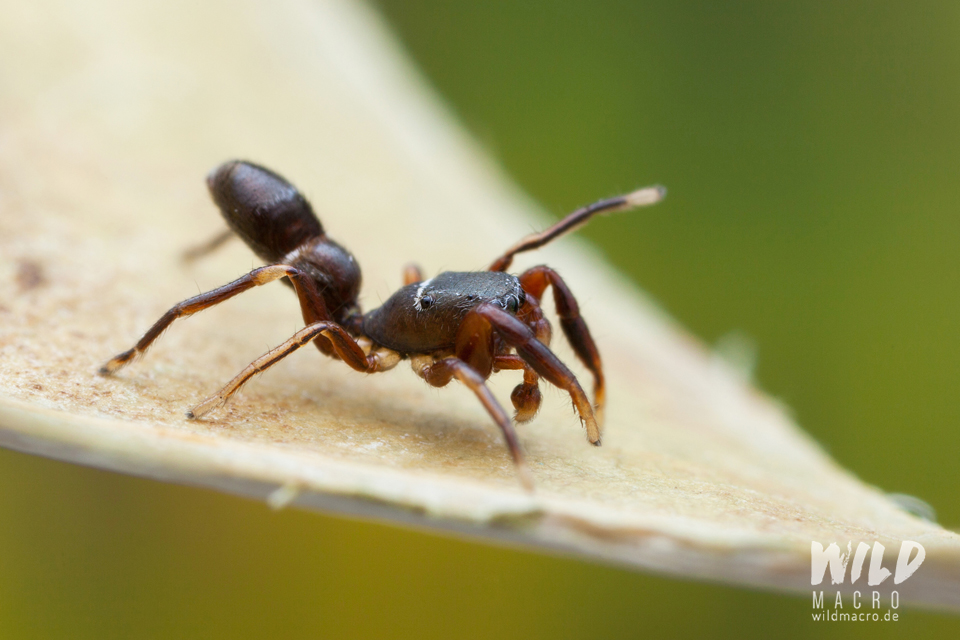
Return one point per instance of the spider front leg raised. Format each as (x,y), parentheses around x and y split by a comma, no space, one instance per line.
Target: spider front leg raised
(578,218)
(412,274)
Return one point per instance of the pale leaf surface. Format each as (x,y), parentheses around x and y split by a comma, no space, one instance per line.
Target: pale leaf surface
(111,114)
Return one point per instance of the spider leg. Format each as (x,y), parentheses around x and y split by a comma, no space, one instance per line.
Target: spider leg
(412,274)
(521,337)
(526,396)
(200,250)
(440,372)
(310,304)
(575,220)
(343,345)
(535,282)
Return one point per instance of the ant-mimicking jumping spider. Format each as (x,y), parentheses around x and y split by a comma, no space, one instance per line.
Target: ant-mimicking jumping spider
(463,325)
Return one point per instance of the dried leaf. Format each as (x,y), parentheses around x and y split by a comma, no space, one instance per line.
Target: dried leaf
(112,114)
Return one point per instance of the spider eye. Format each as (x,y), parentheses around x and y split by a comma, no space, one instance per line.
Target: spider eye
(511,304)
(426,302)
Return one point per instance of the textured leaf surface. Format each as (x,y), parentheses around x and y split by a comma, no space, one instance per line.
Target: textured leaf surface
(111,115)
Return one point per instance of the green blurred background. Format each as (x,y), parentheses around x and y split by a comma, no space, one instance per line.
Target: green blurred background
(811,151)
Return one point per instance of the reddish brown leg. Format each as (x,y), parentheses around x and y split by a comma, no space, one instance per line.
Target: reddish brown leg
(211,245)
(412,274)
(310,304)
(439,374)
(526,395)
(534,282)
(343,345)
(519,336)
(575,220)
(532,315)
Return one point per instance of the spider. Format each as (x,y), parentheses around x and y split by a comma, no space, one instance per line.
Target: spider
(456,325)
